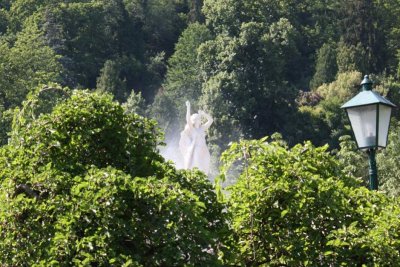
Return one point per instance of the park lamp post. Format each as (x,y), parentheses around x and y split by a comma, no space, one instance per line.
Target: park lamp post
(369,115)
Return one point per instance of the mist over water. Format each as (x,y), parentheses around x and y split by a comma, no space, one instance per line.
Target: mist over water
(171,150)
(172,153)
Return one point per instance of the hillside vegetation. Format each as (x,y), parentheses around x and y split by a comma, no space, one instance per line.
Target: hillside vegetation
(90,90)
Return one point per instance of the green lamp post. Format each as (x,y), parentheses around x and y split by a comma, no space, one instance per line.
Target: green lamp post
(369,115)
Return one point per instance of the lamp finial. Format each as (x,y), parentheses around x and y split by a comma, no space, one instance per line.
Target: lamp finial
(366,84)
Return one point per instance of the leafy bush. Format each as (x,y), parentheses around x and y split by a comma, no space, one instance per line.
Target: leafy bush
(89,129)
(84,185)
(297,207)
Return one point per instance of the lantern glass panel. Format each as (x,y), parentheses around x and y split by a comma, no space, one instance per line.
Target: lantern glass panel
(363,121)
(384,120)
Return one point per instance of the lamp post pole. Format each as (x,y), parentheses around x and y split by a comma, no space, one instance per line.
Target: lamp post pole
(373,172)
(366,85)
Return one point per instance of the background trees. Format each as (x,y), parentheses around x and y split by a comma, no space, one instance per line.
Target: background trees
(26,62)
(240,88)
(183,80)
(245,62)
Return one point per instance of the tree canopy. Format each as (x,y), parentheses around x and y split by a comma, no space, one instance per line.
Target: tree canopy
(84,184)
(296,207)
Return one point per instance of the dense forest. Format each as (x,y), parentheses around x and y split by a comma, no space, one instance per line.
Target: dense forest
(91,89)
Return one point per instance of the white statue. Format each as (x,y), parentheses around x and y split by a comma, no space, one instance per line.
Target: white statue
(193,141)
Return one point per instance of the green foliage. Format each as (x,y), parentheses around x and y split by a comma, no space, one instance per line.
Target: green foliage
(104,217)
(323,42)
(163,21)
(82,182)
(21,10)
(195,14)
(165,112)
(227,16)
(40,101)
(3,20)
(89,129)
(354,162)
(310,125)
(271,48)
(183,79)
(297,207)
(87,34)
(26,63)
(345,86)
(102,37)
(323,108)
(84,185)
(351,58)
(390,87)
(373,242)
(135,104)
(6,117)
(326,66)
(338,92)
(154,73)
(361,36)
(388,162)
(245,95)
(110,79)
